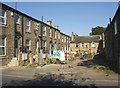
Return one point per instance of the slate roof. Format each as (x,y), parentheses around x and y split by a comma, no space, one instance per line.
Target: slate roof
(86,39)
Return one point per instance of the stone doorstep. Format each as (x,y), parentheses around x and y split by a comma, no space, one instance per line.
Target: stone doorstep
(3,67)
(13,62)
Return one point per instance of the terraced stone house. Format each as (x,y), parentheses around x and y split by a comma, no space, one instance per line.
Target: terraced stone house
(21,33)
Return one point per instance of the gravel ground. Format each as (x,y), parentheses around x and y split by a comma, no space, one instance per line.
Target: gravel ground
(70,74)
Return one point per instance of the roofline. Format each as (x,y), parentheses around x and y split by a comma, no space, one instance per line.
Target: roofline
(90,36)
(64,34)
(114,17)
(82,42)
(118,9)
(14,10)
(107,27)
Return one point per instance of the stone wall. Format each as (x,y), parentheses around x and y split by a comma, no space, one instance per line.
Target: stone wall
(112,41)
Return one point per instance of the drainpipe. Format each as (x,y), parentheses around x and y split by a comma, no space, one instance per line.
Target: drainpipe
(15,33)
(22,34)
(41,32)
(41,58)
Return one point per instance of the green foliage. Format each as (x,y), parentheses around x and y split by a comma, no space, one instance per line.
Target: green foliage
(88,55)
(106,70)
(72,59)
(33,65)
(109,71)
(97,30)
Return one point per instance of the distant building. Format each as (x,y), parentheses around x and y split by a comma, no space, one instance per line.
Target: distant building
(84,44)
(112,42)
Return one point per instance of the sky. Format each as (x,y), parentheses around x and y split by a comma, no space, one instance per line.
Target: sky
(77,17)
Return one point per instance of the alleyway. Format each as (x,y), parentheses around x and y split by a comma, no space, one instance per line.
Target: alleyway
(71,74)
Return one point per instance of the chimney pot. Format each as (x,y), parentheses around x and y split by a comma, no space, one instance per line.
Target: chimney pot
(57,27)
(49,22)
(110,20)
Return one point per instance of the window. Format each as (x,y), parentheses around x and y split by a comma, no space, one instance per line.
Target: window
(82,45)
(28,44)
(58,35)
(2,17)
(2,46)
(93,53)
(65,47)
(27,25)
(86,45)
(76,45)
(62,39)
(50,32)
(69,40)
(100,37)
(12,14)
(17,19)
(50,45)
(37,46)
(62,48)
(44,31)
(55,34)
(93,45)
(45,46)
(115,27)
(55,46)
(36,25)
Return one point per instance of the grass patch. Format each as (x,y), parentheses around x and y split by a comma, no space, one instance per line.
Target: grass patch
(106,70)
(109,72)
(33,65)
(88,56)
(89,59)
(72,59)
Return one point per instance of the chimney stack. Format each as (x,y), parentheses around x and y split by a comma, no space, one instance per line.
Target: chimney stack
(72,36)
(57,27)
(110,20)
(49,22)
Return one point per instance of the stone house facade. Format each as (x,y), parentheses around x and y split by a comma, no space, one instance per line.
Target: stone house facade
(112,42)
(22,33)
(84,44)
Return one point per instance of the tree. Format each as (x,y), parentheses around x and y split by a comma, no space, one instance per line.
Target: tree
(97,30)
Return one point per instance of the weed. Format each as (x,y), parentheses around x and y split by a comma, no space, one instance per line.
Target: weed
(72,59)
(33,65)
(106,70)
